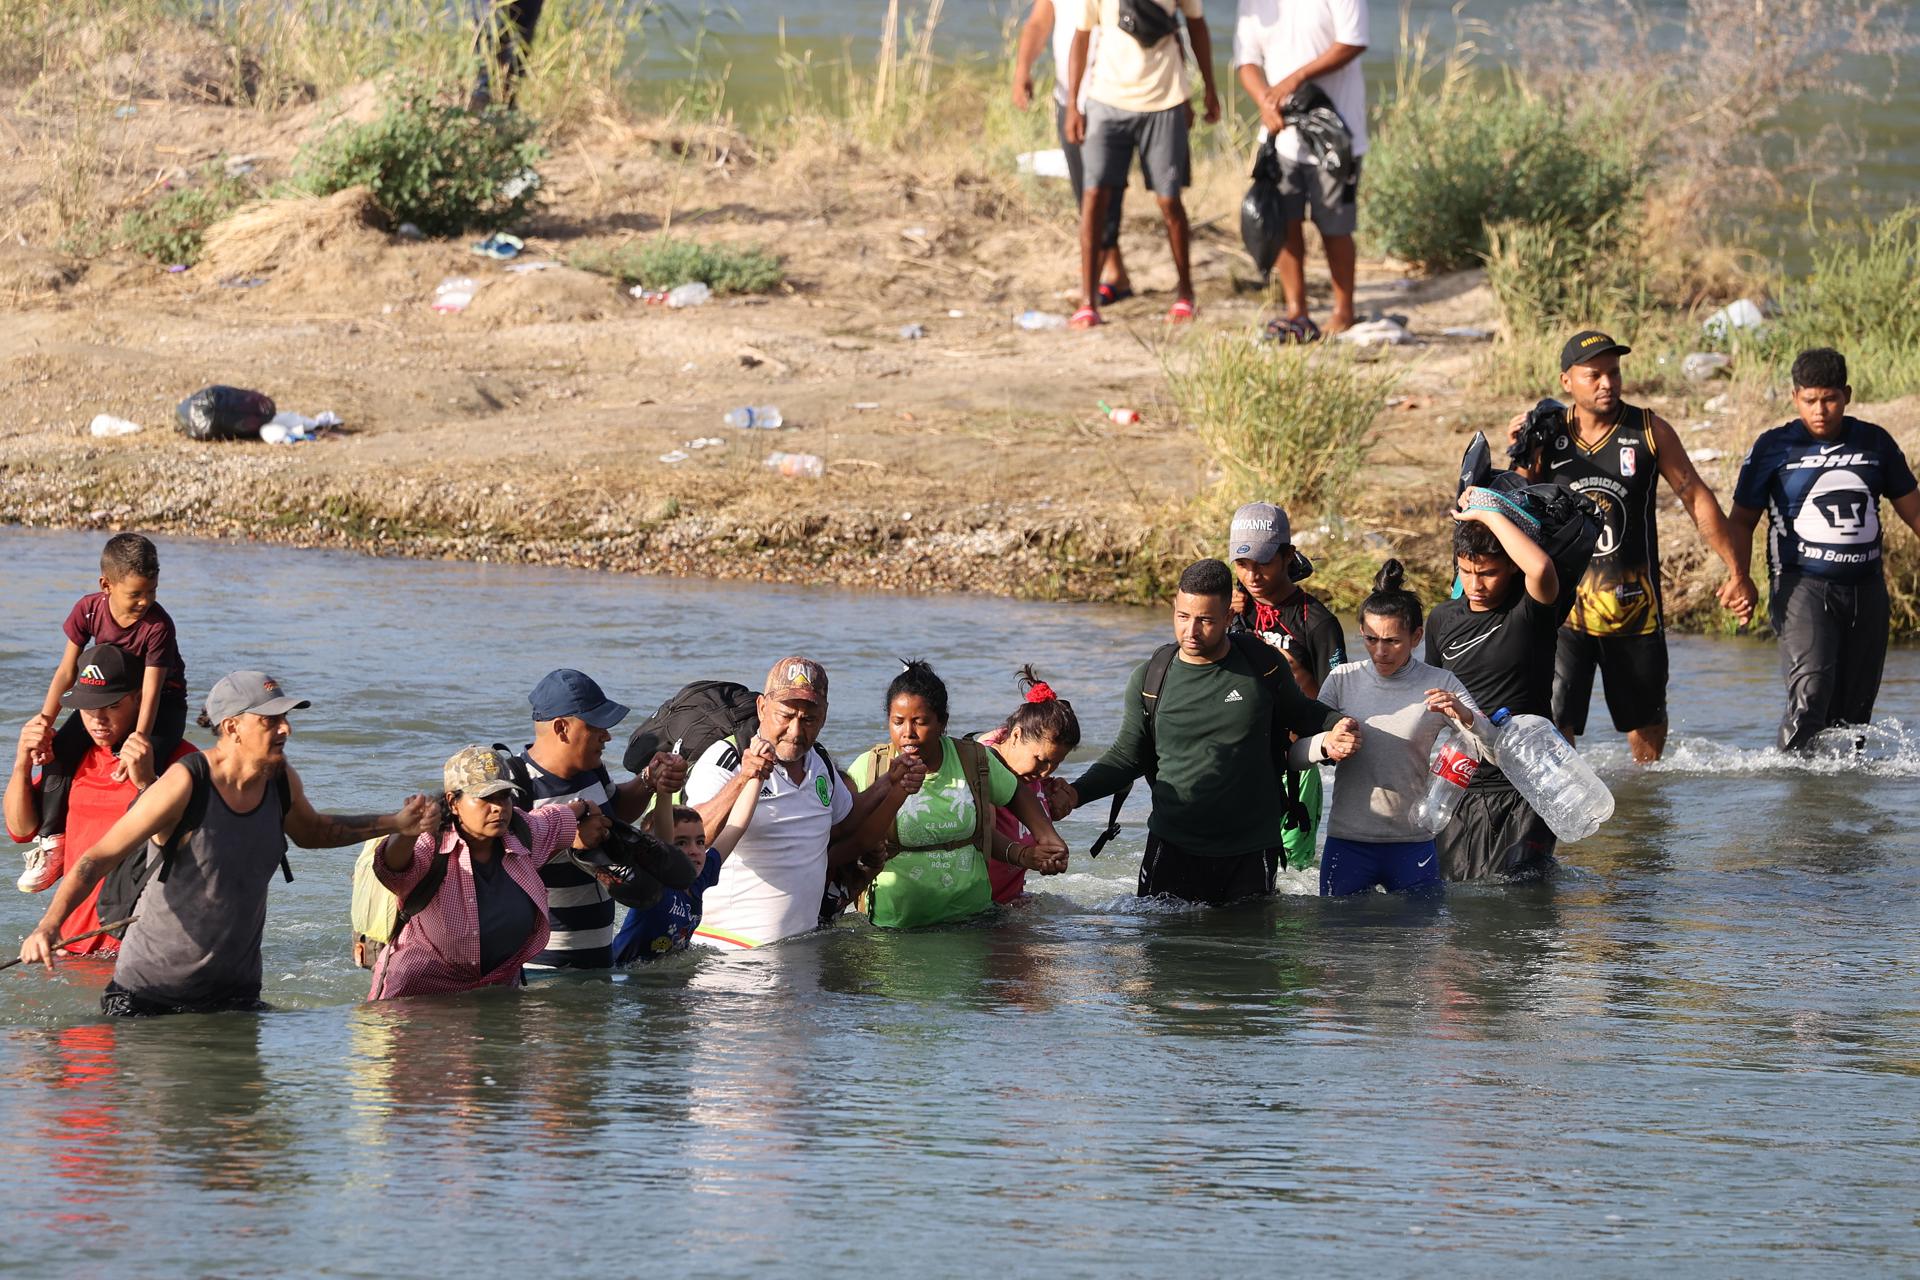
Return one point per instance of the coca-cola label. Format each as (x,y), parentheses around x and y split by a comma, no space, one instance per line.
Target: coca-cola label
(1455,765)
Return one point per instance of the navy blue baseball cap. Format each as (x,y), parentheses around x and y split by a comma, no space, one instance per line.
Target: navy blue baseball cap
(567,692)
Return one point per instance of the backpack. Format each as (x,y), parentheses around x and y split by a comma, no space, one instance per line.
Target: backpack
(1267,664)
(378,916)
(1569,523)
(121,889)
(692,720)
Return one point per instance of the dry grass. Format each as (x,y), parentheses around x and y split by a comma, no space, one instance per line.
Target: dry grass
(270,235)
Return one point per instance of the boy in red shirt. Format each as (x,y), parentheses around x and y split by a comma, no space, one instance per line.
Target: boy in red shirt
(111,772)
(125,614)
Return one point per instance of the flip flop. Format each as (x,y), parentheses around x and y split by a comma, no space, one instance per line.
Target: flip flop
(1181,311)
(1291,331)
(1112,293)
(1085,318)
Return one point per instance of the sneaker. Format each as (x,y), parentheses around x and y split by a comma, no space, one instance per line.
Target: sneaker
(46,860)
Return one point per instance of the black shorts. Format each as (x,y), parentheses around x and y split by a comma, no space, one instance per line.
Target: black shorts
(1495,833)
(118,1002)
(1633,671)
(1167,872)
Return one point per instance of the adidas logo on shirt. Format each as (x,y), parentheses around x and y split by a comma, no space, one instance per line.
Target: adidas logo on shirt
(1234,696)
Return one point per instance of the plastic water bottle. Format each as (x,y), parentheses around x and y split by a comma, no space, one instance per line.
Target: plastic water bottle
(809,465)
(1454,763)
(754,418)
(1040,320)
(1550,775)
(692,294)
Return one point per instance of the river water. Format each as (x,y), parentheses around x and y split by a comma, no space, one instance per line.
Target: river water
(1698,1044)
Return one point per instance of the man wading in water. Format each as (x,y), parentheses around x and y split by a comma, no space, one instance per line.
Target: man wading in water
(1206,722)
(1614,454)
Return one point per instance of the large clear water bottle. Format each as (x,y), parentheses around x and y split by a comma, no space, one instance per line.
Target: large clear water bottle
(764,417)
(1546,770)
(1454,762)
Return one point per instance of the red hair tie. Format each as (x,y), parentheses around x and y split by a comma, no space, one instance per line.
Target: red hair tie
(1040,692)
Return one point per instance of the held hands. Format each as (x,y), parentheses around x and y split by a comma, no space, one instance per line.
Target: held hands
(1343,739)
(136,761)
(1047,855)
(1738,597)
(416,817)
(1062,799)
(1446,704)
(756,761)
(593,824)
(908,771)
(666,773)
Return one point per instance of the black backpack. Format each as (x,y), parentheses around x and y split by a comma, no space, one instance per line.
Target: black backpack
(695,718)
(120,891)
(1265,661)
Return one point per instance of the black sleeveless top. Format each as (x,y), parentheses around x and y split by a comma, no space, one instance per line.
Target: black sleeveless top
(1620,596)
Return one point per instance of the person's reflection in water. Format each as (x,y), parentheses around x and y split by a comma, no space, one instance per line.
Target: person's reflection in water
(208,1103)
(82,1129)
(1229,972)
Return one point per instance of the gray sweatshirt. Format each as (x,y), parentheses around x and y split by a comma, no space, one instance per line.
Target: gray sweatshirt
(1377,786)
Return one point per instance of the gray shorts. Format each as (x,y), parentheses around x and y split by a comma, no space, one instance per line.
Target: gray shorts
(1334,203)
(1160,137)
(1076,175)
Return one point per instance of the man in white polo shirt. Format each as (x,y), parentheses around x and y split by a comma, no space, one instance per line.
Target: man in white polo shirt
(1136,102)
(770,888)
(1279,46)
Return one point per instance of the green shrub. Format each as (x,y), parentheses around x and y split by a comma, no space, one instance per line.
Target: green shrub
(1446,165)
(1861,296)
(441,167)
(1287,424)
(169,229)
(665,261)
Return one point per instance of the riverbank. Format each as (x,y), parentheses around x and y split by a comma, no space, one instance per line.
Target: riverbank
(532,426)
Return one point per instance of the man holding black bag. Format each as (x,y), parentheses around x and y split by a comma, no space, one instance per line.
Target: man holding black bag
(1281,48)
(1136,101)
(1614,455)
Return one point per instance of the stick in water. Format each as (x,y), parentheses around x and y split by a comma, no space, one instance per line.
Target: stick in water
(78,937)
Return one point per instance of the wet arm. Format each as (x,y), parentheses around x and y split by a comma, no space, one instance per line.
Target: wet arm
(1696,496)
(23,798)
(867,826)
(713,813)
(1543,581)
(310,829)
(1026,806)
(739,818)
(153,814)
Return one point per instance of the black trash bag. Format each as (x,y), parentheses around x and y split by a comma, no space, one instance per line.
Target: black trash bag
(1569,523)
(1263,229)
(224,413)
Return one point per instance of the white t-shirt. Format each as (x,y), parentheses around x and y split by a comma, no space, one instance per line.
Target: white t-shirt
(770,887)
(1281,36)
(1127,75)
(1063,30)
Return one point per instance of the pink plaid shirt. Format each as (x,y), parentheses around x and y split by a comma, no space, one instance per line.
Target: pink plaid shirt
(439,950)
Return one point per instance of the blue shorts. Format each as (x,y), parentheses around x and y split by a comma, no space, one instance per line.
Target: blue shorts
(1399,866)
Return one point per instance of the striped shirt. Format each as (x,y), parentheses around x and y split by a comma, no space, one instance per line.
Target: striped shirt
(439,950)
(579,908)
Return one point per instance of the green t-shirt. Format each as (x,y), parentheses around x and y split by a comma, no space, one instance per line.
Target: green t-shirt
(933,886)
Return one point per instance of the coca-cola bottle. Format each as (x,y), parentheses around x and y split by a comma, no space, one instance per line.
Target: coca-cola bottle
(1453,765)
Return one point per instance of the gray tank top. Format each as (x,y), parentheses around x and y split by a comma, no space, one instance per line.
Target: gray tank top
(198,935)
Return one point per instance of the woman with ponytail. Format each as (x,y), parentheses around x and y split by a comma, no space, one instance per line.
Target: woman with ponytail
(939,838)
(1033,742)
(1403,705)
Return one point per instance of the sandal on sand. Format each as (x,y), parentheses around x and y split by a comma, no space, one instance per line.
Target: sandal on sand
(1084,318)
(1112,293)
(1181,311)
(1301,329)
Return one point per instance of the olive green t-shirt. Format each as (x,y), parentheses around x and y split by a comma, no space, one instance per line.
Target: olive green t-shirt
(1216,792)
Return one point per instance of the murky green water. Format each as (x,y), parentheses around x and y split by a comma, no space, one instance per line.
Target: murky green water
(1698,1045)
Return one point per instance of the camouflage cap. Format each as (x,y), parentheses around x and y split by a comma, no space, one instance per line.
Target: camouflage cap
(477,771)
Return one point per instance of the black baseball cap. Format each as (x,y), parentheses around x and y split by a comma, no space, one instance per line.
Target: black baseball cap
(1589,344)
(108,673)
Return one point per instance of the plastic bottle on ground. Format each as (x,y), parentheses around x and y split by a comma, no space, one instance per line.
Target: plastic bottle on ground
(809,465)
(1040,320)
(764,417)
(1550,775)
(692,294)
(1454,763)
(106,424)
